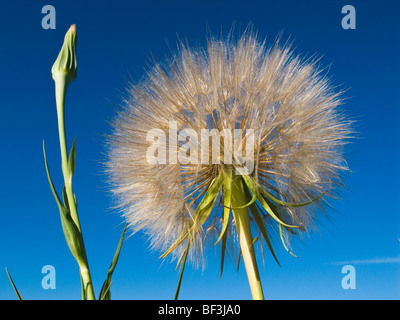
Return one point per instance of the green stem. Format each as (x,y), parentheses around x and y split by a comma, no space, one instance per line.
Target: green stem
(242,221)
(87,281)
(61,89)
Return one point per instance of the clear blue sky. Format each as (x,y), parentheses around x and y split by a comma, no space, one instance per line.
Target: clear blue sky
(115,42)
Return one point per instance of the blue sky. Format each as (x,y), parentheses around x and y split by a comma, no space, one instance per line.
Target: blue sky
(116,40)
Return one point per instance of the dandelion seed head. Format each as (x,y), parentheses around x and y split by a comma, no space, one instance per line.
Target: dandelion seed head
(288,102)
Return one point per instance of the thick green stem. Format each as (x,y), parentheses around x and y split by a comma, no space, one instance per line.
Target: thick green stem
(242,221)
(61,88)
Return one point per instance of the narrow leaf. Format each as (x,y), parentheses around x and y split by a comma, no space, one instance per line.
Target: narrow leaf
(105,293)
(53,190)
(71,159)
(14,287)
(71,233)
(175,244)
(182,270)
(65,198)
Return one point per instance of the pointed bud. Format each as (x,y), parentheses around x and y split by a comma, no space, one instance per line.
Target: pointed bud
(65,65)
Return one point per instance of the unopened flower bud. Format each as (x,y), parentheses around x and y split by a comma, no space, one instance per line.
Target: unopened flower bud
(65,65)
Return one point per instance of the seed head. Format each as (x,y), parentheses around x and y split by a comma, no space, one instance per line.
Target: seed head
(296,127)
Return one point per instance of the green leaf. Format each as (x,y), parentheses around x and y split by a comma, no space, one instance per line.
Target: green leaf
(53,190)
(176,243)
(182,270)
(14,287)
(65,198)
(105,293)
(72,235)
(71,159)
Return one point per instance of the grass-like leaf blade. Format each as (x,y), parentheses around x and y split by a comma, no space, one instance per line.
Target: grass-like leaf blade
(182,270)
(14,287)
(105,293)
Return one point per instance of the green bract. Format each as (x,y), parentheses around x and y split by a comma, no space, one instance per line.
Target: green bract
(240,193)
